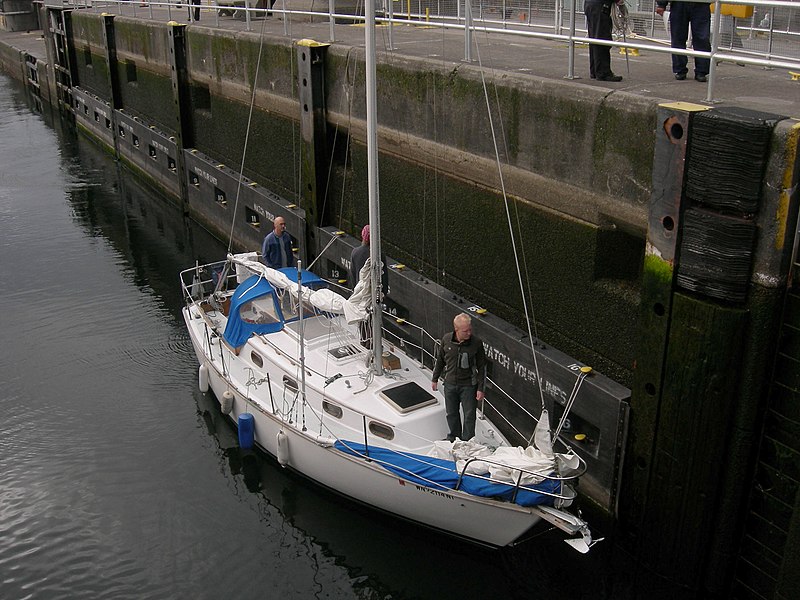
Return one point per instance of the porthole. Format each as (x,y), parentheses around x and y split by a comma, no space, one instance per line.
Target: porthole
(332,409)
(257,360)
(290,384)
(381,430)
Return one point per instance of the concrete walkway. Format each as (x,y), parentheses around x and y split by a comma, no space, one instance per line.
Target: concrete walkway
(649,74)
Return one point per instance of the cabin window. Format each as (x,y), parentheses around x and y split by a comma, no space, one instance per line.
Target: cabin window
(97,116)
(257,360)
(86,109)
(135,140)
(332,409)
(108,123)
(151,151)
(260,311)
(194,179)
(291,307)
(381,430)
(290,384)
(121,132)
(171,163)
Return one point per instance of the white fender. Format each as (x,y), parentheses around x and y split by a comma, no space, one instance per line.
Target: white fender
(226,406)
(202,378)
(283,449)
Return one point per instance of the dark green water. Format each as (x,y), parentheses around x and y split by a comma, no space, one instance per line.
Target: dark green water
(118,479)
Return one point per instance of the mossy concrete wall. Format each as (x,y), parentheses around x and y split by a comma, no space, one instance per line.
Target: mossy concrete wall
(90,54)
(576,167)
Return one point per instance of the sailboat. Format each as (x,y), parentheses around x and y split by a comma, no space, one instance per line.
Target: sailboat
(282,352)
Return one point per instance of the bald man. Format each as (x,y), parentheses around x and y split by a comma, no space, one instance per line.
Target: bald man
(463,362)
(276,251)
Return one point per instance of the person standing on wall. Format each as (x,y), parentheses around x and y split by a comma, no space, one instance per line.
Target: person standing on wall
(598,22)
(196,4)
(462,360)
(681,15)
(276,251)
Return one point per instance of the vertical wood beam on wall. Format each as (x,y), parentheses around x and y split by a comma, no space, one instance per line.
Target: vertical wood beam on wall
(181,100)
(313,131)
(658,276)
(110,45)
(702,338)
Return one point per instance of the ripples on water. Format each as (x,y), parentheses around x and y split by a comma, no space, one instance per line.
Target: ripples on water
(118,479)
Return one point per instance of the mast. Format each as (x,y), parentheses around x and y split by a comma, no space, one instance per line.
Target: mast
(372,187)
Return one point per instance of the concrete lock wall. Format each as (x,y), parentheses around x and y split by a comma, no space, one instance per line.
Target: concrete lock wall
(578,164)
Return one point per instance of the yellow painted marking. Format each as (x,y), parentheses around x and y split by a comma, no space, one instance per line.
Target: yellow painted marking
(629,51)
(685,106)
(311,43)
(782,214)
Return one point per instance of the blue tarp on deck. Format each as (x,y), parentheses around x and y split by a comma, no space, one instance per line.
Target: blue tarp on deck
(437,473)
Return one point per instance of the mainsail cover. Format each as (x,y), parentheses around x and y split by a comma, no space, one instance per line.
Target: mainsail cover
(355,308)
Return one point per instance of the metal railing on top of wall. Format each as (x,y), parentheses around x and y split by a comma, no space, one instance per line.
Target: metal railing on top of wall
(769,38)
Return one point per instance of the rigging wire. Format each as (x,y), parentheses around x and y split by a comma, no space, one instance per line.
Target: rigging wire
(508,216)
(247,133)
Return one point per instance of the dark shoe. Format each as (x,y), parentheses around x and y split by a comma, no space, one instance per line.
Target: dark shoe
(680,76)
(701,78)
(610,77)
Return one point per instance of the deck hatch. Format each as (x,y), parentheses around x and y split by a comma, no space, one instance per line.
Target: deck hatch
(407,397)
(345,351)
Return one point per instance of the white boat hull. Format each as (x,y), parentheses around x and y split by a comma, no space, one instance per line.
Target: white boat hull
(457,513)
(477,519)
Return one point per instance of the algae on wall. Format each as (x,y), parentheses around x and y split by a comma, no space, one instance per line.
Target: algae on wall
(456,234)
(90,55)
(143,71)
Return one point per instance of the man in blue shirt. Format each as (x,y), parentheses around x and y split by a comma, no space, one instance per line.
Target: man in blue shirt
(276,251)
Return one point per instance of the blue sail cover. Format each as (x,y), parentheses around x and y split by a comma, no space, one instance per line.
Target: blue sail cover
(311,280)
(238,331)
(437,473)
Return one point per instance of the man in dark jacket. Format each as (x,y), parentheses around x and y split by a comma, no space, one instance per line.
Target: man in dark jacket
(463,361)
(276,251)
(598,22)
(681,15)
(358,257)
